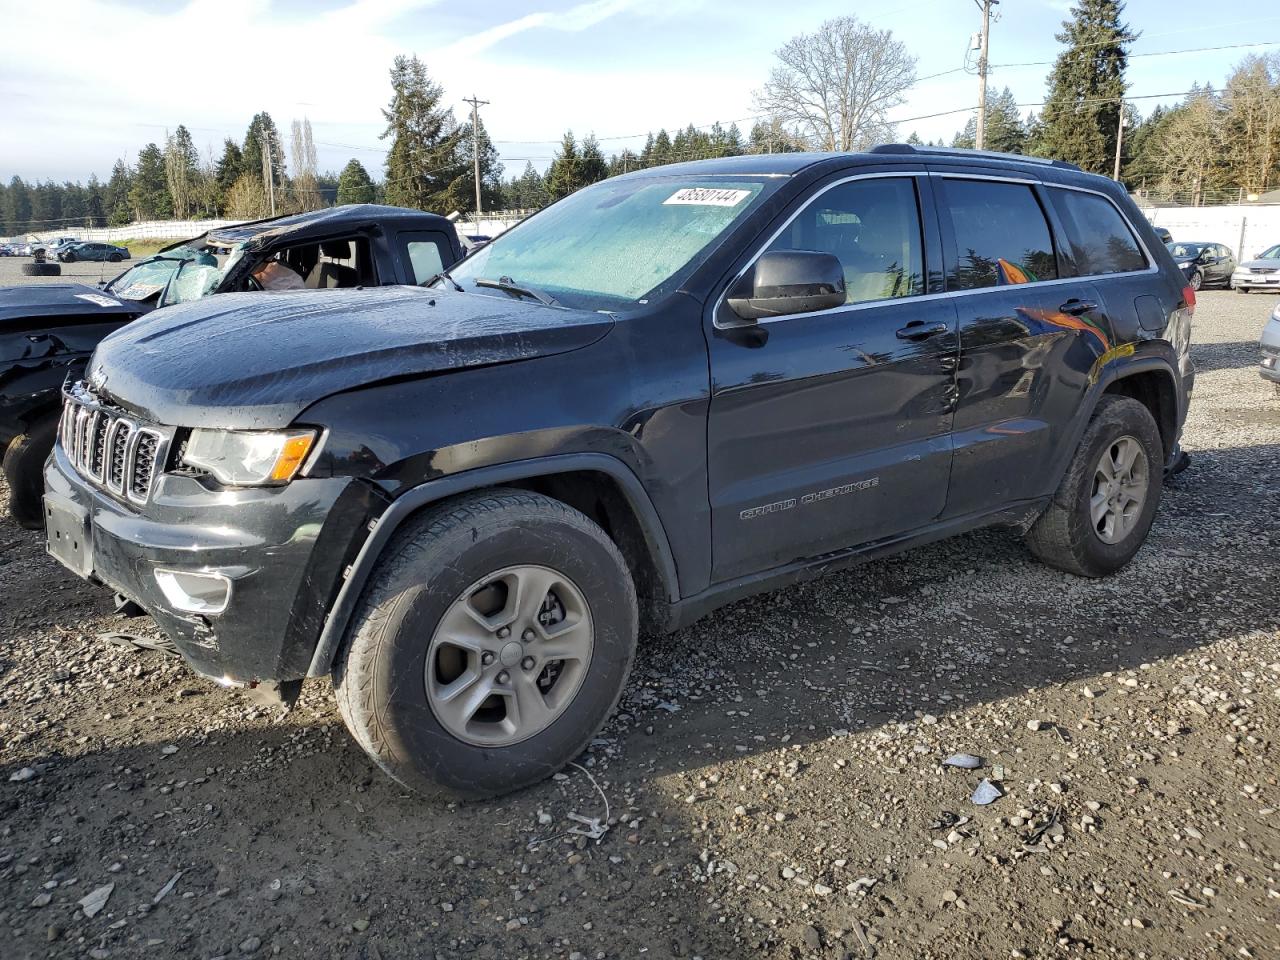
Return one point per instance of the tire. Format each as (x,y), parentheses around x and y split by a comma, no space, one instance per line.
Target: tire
(115,258)
(24,470)
(1066,536)
(1196,281)
(41,270)
(391,682)
(68,257)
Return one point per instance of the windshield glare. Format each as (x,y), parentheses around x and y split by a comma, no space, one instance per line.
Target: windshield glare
(1184,251)
(177,275)
(617,243)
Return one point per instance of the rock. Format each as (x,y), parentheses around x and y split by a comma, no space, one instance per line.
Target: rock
(360,926)
(42,900)
(965,761)
(23,775)
(1037,725)
(93,902)
(822,890)
(169,750)
(812,937)
(250,944)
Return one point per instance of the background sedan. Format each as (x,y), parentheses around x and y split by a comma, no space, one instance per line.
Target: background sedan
(1260,274)
(93,251)
(1204,264)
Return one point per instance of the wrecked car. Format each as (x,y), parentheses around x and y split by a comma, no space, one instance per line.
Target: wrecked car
(47,332)
(667,391)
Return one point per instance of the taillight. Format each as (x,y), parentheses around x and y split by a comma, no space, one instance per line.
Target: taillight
(1189,295)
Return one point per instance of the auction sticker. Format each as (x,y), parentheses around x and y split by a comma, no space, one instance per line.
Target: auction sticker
(707,197)
(98,299)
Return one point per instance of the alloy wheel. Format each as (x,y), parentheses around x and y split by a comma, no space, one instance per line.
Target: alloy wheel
(509,655)
(1120,483)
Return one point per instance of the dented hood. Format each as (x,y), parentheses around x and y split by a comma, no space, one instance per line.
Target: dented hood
(256,360)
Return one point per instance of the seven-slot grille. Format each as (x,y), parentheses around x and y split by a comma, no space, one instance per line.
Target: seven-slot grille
(111,450)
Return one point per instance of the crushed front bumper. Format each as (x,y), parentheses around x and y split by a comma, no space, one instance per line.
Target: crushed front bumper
(280,550)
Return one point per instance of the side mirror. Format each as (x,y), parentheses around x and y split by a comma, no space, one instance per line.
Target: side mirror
(784,282)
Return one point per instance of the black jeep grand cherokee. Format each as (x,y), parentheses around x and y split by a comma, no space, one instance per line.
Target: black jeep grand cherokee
(667,391)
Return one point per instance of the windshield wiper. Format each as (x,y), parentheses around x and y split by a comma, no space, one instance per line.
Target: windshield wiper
(444,275)
(507,285)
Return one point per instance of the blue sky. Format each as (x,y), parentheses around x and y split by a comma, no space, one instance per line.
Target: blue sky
(86,81)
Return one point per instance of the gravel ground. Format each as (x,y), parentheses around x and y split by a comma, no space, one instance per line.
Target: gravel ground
(772,786)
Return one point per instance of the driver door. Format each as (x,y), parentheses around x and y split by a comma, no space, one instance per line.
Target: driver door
(832,429)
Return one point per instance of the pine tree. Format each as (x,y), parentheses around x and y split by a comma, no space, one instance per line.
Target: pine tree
(530,190)
(261,129)
(425,155)
(95,203)
(228,169)
(354,184)
(46,207)
(182,172)
(592,168)
(17,207)
(116,199)
(1082,111)
(461,194)
(1005,129)
(149,192)
(563,176)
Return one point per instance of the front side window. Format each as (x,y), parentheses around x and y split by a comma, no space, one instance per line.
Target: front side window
(872,227)
(618,243)
(1001,234)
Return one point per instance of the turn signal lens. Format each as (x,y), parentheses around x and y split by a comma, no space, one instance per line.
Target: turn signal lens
(294,452)
(1189,295)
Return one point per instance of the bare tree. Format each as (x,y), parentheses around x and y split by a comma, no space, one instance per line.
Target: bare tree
(306,189)
(1253,122)
(836,86)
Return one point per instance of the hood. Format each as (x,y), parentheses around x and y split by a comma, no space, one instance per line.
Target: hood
(257,360)
(1262,264)
(18,305)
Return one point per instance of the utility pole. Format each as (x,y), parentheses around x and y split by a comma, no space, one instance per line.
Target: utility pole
(475,146)
(268,169)
(985,6)
(1119,142)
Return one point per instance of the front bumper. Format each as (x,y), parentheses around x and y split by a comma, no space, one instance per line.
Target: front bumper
(283,550)
(1256,281)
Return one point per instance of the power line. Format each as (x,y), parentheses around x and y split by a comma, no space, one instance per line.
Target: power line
(1154,53)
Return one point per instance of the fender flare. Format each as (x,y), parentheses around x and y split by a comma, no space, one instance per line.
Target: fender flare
(433,491)
(1109,375)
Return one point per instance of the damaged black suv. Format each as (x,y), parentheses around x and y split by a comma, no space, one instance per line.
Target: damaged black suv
(667,391)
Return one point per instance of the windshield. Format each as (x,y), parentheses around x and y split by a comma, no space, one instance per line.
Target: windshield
(186,272)
(617,243)
(1184,251)
(1272,253)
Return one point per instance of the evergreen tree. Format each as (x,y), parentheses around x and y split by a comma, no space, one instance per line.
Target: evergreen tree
(354,184)
(1005,130)
(46,207)
(530,190)
(17,207)
(461,194)
(592,168)
(119,206)
(75,209)
(149,191)
(261,129)
(425,155)
(182,172)
(95,202)
(227,169)
(563,176)
(1082,111)
(915,140)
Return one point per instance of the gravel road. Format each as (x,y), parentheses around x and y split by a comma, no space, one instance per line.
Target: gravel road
(772,786)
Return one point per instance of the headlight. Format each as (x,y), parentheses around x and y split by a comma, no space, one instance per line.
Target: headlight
(249,458)
(1184,266)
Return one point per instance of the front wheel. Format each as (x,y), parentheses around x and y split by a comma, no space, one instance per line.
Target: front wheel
(24,471)
(492,642)
(1103,508)
(68,257)
(1196,281)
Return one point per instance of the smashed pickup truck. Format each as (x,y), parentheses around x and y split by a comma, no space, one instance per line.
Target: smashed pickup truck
(47,332)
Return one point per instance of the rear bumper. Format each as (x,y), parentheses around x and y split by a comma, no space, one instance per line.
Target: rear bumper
(281,550)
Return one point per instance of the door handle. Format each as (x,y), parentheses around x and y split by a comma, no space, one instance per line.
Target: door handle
(1074,307)
(918,330)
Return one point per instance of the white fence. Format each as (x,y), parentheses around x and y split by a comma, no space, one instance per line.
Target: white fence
(146,230)
(1247,229)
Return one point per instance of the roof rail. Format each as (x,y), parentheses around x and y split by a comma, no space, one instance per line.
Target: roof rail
(962,152)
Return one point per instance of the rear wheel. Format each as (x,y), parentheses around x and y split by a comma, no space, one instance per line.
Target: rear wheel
(24,471)
(492,642)
(1103,508)
(115,258)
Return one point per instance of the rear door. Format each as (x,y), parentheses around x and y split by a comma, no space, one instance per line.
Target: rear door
(1029,335)
(831,429)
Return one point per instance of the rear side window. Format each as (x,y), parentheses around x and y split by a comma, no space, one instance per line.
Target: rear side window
(423,254)
(1101,241)
(873,228)
(1001,234)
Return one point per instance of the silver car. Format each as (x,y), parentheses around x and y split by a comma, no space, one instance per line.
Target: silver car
(1269,366)
(1260,274)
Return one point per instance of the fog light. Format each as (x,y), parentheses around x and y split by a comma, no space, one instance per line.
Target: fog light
(206,593)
